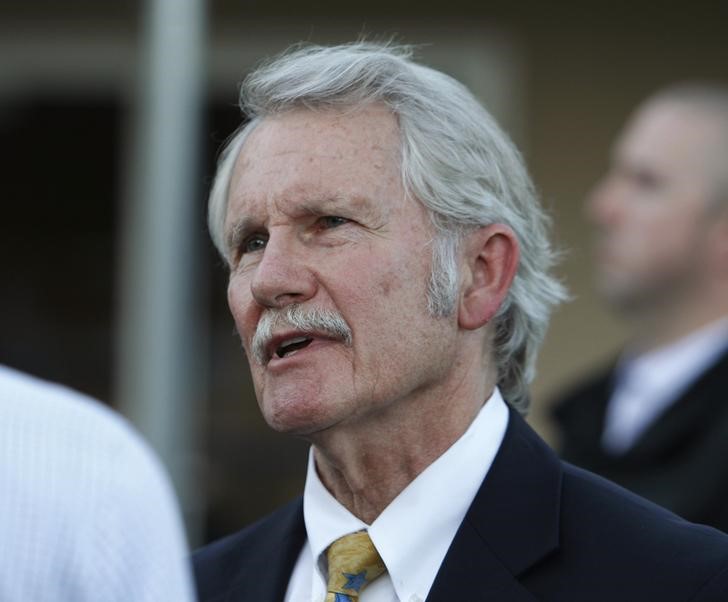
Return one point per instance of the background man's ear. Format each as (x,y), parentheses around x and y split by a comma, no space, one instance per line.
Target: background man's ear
(490,262)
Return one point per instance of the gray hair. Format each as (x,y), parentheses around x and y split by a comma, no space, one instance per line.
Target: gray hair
(455,160)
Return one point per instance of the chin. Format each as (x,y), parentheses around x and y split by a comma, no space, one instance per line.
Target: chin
(627,300)
(300,418)
(615,289)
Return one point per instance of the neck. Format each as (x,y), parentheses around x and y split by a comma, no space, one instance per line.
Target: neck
(365,466)
(662,326)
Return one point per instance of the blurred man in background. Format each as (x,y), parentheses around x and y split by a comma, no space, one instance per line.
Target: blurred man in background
(390,281)
(657,421)
(87,513)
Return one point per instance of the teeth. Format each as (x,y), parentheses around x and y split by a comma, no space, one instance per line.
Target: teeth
(292,345)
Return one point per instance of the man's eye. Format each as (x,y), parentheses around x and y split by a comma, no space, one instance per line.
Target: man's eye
(254,243)
(332,221)
(647,180)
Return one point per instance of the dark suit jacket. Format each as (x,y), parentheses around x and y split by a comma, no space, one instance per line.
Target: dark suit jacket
(680,462)
(538,529)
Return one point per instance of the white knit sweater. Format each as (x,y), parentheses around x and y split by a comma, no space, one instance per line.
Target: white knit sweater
(86,512)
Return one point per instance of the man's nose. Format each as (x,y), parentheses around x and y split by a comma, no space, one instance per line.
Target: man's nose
(602,205)
(283,276)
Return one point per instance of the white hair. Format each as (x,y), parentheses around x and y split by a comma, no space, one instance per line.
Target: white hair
(455,160)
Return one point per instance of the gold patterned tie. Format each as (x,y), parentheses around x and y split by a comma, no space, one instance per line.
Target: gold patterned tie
(353,564)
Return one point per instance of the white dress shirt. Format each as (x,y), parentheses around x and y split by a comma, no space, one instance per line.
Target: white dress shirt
(413,533)
(86,511)
(647,385)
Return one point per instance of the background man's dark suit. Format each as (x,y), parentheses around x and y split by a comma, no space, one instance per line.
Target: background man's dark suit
(538,529)
(680,462)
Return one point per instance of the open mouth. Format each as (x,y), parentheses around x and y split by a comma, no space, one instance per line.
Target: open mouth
(290,346)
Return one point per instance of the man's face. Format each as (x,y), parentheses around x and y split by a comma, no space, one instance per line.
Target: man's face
(651,209)
(318,218)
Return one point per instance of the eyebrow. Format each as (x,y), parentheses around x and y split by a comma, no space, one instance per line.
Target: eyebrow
(321,205)
(325,205)
(240,228)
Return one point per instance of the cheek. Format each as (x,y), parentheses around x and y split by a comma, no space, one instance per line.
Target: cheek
(239,298)
(403,282)
(385,287)
(390,285)
(394,299)
(669,233)
(233,300)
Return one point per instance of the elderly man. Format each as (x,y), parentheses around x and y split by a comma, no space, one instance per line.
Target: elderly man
(389,278)
(657,422)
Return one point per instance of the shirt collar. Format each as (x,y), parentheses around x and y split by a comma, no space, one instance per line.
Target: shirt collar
(671,368)
(413,553)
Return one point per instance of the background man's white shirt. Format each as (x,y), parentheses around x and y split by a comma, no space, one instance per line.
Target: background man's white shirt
(649,384)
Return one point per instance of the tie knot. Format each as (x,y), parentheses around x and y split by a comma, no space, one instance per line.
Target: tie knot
(353,564)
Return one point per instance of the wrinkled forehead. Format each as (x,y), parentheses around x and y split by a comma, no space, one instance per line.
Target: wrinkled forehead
(372,125)
(305,149)
(312,163)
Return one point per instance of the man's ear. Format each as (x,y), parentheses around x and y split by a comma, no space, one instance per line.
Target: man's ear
(490,262)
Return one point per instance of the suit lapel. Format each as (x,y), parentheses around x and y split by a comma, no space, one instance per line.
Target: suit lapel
(511,525)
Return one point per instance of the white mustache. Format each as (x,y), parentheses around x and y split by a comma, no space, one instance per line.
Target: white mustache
(320,321)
